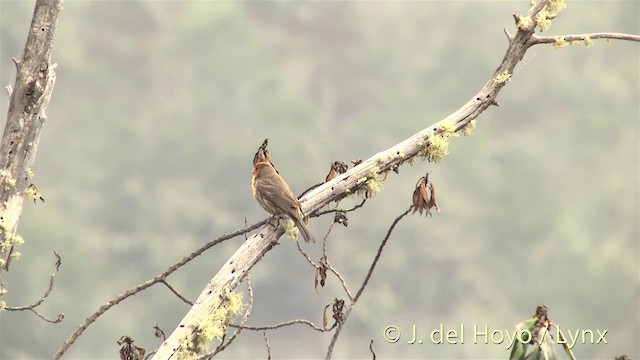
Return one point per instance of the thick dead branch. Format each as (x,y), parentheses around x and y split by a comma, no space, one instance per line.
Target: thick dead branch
(35,79)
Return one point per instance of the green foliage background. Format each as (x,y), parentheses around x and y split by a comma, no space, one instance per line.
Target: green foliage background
(159,107)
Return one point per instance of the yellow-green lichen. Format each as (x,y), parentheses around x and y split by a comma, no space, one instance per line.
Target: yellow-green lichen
(33,193)
(555,6)
(587,40)
(523,23)
(559,42)
(371,184)
(29,173)
(15,255)
(3,305)
(438,148)
(438,142)
(9,183)
(448,129)
(543,22)
(2,262)
(503,77)
(467,130)
(8,238)
(17,240)
(548,12)
(205,329)
(291,230)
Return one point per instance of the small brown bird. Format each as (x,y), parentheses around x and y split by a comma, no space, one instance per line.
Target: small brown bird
(275,196)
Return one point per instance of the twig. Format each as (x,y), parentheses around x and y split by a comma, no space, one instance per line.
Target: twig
(309,189)
(326,262)
(46,294)
(507,34)
(342,281)
(72,338)
(159,333)
(173,290)
(379,253)
(365,282)
(279,325)
(326,258)
(354,208)
(311,262)
(57,320)
(266,342)
(371,349)
(535,39)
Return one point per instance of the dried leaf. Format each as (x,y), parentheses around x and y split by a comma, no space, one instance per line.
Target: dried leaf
(337,167)
(422,199)
(332,174)
(129,351)
(159,333)
(341,218)
(415,200)
(338,311)
(433,202)
(324,317)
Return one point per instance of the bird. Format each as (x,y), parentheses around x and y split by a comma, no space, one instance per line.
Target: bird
(273,193)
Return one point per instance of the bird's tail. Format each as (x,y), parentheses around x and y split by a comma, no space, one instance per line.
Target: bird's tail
(304,230)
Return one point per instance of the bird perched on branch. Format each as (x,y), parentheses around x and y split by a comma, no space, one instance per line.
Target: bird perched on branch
(274,194)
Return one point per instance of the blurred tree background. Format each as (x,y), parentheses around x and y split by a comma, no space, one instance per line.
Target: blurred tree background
(159,107)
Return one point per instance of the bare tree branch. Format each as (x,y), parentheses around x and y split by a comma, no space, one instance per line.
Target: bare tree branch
(583,37)
(266,342)
(46,293)
(354,208)
(324,263)
(33,306)
(371,349)
(173,290)
(336,334)
(158,279)
(282,324)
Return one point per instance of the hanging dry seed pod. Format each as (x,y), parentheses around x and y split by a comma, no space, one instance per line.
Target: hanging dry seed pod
(341,218)
(337,167)
(432,201)
(423,200)
(129,351)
